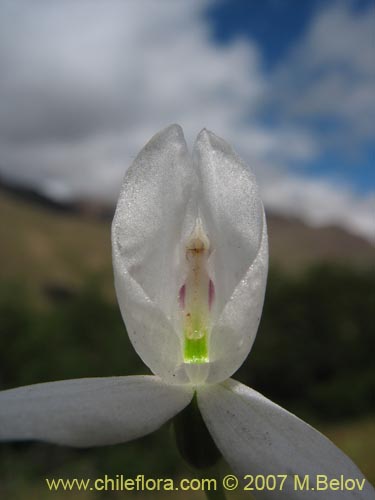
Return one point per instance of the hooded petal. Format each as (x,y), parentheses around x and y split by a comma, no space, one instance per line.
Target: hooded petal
(256,436)
(89,411)
(146,234)
(232,210)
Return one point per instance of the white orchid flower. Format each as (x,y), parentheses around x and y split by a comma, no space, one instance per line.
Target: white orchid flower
(190,261)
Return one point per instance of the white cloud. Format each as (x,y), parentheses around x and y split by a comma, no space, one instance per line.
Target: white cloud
(330,75)
(319,202)
(85,84)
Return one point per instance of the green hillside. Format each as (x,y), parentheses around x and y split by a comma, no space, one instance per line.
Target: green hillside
(313,353)
(43,247)
(48,248)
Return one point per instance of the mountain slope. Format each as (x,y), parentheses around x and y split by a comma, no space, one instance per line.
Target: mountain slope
(43,246)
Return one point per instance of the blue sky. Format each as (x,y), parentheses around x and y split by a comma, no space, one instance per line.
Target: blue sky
(274,24)
(276,27)
(289,83)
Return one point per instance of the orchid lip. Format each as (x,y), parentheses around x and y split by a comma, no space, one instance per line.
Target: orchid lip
(196,297)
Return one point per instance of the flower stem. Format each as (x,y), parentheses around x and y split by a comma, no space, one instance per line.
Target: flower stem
(193,439)
(197,447)
(218,493)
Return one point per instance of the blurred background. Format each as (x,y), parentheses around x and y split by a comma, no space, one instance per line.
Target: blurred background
(84,85)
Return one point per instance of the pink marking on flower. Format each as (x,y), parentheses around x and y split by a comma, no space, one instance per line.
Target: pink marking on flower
(211,293)
(181,296)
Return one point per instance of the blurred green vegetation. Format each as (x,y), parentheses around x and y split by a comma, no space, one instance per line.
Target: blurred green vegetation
(313,355)
(313,352)
(315,345)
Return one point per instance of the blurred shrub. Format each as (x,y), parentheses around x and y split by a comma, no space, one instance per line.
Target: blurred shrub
(80,337)
(313,354)
(314,349)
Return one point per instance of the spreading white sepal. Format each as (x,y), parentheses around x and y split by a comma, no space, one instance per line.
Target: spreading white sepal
(90,411)
(256,436)
(232,209)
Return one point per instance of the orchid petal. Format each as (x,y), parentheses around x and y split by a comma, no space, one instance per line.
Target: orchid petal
(233,213)
(256,436)
(146,234)
(90,411)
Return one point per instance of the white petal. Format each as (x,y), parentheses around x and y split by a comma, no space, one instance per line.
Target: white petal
(233,213)
(146,234)
(89,411)
(256,436)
